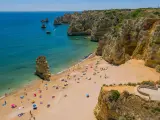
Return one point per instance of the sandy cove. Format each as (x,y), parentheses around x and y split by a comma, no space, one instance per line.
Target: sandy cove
(70,88)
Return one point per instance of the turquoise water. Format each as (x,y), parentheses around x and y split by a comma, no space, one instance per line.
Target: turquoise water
(22,40)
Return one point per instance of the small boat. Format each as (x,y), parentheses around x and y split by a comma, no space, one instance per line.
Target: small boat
(46,20)
(43,26)
(48,32)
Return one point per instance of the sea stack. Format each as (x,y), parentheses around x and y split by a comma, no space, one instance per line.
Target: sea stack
(42,68)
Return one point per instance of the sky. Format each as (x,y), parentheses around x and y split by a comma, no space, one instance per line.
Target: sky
(73,5)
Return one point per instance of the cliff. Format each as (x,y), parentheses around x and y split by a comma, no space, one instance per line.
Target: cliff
(114,106)
(122,34)
(42,68)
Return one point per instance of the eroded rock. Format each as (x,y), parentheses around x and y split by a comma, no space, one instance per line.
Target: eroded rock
(42,68)
(127,106)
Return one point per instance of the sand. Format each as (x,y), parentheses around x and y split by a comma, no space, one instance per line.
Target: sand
(70,102)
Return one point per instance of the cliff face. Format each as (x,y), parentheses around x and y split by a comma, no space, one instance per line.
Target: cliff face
(135,38)
(82,24)
(122,34)
(66,19)
(42,68)
(126,107)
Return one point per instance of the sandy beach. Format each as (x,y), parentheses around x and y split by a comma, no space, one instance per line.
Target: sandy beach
(65,94)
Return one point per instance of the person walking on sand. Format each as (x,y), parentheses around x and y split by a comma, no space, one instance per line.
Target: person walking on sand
(31,113)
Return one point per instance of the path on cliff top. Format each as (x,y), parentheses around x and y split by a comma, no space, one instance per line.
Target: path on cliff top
(154,94)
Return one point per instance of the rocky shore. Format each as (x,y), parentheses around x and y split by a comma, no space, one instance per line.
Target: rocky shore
(122,34)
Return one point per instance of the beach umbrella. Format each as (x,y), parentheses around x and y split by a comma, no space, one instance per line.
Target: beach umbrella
(13,105)
(34,106)
(34,95)
(87,95)
(21,97)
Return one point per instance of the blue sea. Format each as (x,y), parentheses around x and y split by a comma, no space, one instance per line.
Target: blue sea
(22,40)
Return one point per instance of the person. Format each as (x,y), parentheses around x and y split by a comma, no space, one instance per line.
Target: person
(48,105)
(30,112)
(5,102)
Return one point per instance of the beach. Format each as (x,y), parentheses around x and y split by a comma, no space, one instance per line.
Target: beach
(65,96)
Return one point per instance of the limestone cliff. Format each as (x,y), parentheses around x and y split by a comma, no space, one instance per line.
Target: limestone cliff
(127,106)
(66,19)
(42,68)
(122,34)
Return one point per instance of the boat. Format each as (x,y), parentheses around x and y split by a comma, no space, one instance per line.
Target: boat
(46,20)
(43,26)
(48,32)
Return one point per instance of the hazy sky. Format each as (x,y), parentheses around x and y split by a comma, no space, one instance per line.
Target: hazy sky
(61,5)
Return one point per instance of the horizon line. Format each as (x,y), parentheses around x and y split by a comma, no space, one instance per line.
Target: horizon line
(75,10)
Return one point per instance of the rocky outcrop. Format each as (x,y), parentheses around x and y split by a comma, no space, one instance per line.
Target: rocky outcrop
(135,38)
(122,34)
(66,19)
(42,68)
(125,107)
(82,23)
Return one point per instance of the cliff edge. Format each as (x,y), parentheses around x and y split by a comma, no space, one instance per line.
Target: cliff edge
(115,106)
(122,33)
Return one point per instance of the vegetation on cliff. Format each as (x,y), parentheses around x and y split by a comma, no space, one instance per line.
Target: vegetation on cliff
(126,107)
(122,33)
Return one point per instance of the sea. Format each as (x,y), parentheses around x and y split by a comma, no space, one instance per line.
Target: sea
(22,40)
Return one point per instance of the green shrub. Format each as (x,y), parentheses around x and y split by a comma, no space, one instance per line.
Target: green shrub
(120,84)
(136,13)
(157,13)
(157,109)
(131,84)
(114,95)
(150,83)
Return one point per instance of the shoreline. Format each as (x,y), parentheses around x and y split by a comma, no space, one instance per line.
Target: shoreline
(35,81)
(80,80)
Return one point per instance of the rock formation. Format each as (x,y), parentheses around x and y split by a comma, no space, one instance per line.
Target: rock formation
(127,106)
(42,68)
(122,34)
(66,19)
